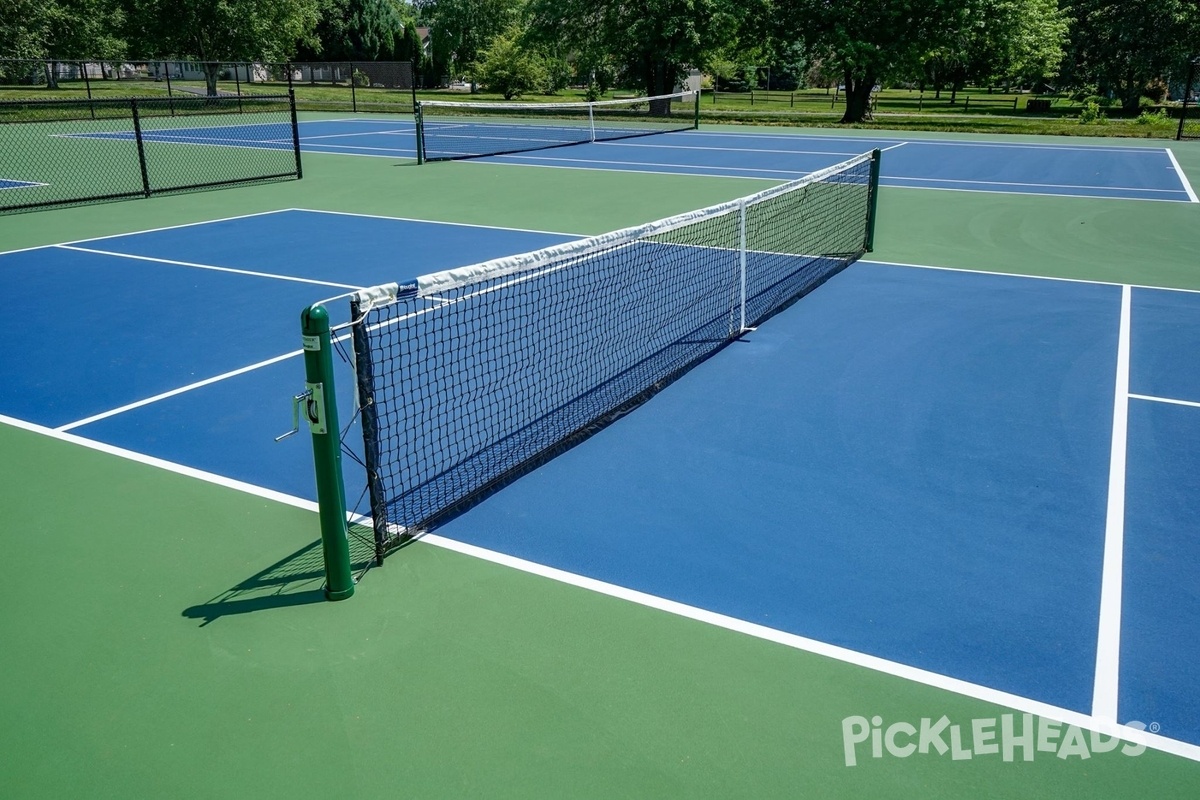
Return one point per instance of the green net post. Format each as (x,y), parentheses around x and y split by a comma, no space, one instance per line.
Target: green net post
(321,410)
(873,201)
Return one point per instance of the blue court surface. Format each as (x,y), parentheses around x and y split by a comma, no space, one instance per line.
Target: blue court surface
(10,184)
(1068,170)
(913,464)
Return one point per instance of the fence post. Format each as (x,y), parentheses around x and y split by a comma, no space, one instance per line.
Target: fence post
(170,94)
(295,134)
(353,94)
(141,148)
(1188,87)
(88,83)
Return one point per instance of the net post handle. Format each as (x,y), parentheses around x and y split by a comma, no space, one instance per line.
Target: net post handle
(419,119)
(872,202)
(327,452)
(742,262)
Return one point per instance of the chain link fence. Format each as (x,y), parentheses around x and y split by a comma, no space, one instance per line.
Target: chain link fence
(386,86)
(68,151)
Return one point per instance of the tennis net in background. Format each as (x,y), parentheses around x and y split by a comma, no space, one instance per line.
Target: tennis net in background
(470,377)
(452,130)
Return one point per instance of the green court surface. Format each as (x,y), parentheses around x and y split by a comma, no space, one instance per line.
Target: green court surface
(135,662)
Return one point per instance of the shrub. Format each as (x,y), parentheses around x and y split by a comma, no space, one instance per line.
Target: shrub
(1156,119)
(1091,114)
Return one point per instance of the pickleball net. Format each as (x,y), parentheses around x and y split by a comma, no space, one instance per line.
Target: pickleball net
(449,130)
(468,378)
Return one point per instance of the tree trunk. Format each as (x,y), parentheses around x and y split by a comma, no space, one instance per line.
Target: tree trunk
(858,98)
(51,74)
(211,69)
(657,73)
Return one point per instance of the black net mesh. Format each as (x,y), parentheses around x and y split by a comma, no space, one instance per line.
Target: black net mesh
(452,130)
(468,379)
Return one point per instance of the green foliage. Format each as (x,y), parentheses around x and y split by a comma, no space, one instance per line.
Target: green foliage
(464,29)
(221,30)
(648,44)
(1124,46)
(1092,115)
(1155,119)
(509,68)
(353,30)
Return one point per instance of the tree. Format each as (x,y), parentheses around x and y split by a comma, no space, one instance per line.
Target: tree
(651,42)
(1122,47)
(867,40)
(213,31)
(509,68)
(463,29)
(24,28)
(353,30)
(1026,43)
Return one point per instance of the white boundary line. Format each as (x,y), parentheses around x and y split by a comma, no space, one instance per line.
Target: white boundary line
(209,267)
(790,176)
(24,184)
(1014,193)
(1041,185)
(1108,641)
(874,663)
(439,222)
(1187,186)
(948,142)
(1168,400)
(285,211)
(148,230)
(633,143)
(173,392)
(532,156)
(1024,275)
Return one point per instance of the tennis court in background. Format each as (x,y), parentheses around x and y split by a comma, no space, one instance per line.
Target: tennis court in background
(1073,170)
(913,469)
(1069,170)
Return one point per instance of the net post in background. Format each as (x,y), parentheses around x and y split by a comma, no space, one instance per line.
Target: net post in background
(873,203)
(321,412)
(1187,128)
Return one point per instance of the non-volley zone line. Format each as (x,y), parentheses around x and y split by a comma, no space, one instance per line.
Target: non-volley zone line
(6,183)
(193,265)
